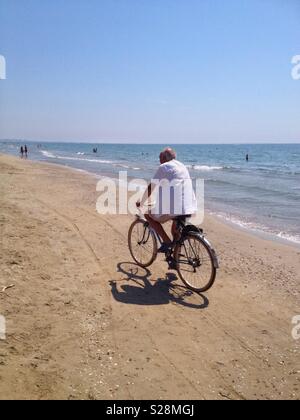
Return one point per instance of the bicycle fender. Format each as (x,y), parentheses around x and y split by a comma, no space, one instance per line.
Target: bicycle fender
(215,259)
(213,253)
(208,244)
(191,229)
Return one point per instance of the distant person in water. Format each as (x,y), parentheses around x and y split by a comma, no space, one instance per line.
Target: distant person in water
(247,157)
(26,151)
(21,152)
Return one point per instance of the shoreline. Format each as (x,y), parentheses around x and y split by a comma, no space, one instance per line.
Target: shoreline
(257,233)
(239,226)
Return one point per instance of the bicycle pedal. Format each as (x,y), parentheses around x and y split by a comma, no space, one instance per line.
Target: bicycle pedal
(172,265)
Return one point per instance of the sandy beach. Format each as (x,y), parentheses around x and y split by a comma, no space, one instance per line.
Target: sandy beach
(84,322)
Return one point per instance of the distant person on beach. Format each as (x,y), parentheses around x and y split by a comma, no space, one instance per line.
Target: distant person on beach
(26,151)
(179,195)
(21,152)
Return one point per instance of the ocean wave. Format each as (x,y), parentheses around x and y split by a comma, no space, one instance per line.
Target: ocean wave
(239,222)
(256,227)
(271,171)
(120,165)
(278,171)
(86,160)
(52,156)
(103,161)
(288,237)
(205,168)
(259,188)
(48,154)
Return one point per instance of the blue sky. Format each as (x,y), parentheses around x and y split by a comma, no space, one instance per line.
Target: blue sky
(193,71)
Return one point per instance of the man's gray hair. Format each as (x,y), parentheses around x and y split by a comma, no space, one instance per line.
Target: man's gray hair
(168,154)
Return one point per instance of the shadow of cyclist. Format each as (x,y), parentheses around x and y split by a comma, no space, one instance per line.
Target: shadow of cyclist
(159,292)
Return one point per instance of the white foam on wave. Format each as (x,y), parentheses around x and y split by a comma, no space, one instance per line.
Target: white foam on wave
(123,166)
(52,156)
(108,162)
(48,154)
(239,222)
(87,160)
(127,167)
(288,237)
(258,228)
(205,168)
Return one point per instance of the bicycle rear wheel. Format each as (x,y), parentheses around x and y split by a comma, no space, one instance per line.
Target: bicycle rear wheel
(195,263)
(142,243)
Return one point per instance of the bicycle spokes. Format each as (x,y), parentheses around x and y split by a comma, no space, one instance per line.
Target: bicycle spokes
(195,264)
(142,243)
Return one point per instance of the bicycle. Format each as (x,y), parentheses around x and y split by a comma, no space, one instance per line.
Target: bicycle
(189,253)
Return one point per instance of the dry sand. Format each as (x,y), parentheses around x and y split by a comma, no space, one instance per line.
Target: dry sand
(83,322)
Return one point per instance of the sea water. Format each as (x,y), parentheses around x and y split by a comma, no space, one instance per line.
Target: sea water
(262,194)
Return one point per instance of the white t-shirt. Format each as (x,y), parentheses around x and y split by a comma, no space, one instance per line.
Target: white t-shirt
(175,195)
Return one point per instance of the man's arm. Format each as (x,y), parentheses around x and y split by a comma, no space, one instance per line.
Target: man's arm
(147,195)
(157,177)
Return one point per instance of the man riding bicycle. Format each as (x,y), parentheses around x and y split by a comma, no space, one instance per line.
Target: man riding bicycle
(175,196)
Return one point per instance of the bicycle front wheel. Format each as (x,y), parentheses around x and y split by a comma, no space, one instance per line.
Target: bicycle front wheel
(195,263)
(142,243)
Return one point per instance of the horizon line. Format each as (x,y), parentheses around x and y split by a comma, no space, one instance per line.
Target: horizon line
(119,142)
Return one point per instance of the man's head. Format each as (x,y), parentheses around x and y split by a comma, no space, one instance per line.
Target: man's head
(166,155)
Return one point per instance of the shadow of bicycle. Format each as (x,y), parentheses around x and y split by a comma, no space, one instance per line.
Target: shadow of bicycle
(161,291)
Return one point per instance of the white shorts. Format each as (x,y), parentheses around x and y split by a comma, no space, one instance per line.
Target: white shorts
(161,218)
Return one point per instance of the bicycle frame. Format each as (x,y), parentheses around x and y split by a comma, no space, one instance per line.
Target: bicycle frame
(158,238)
(189,250)
(180,225)
(193,230)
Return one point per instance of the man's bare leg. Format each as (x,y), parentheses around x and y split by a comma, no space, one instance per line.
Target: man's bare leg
(158,229)
(175,232)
